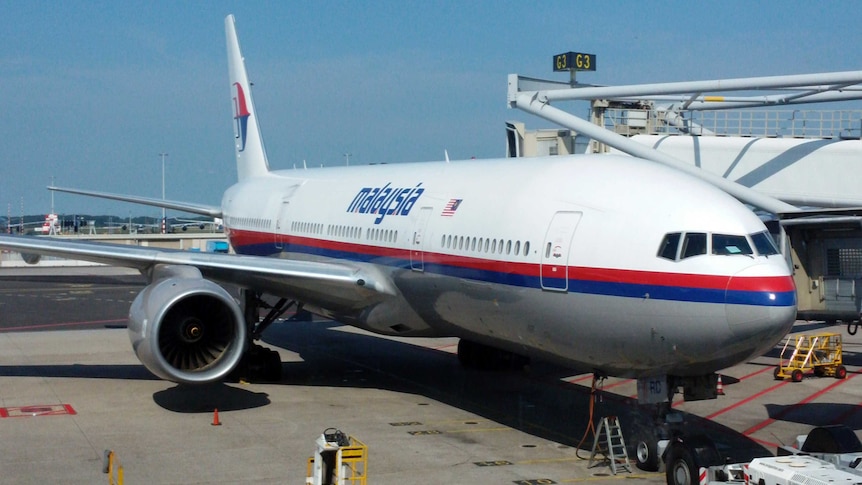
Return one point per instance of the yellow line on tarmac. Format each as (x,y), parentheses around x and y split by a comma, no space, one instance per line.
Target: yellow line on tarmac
(449,421)
(629,476)
(547,460)
(478,430)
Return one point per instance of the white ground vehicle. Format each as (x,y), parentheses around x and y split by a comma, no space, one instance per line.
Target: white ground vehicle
(828,454)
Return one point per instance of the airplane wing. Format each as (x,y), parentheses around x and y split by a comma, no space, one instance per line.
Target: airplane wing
(201,209)
(331,285)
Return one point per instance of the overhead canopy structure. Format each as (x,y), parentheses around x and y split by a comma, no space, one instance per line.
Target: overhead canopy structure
(536,95)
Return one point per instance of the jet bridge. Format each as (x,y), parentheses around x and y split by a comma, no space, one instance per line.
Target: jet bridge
(823,246)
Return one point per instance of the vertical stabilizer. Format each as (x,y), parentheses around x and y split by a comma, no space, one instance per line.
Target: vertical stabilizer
(250,153)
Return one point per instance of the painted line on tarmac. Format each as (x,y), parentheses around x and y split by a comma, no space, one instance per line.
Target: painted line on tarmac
(845,416)
(787,410)
(584,377)
(479,430)
(451,348)
(746,400)
(757,373)
(615,384)
(606,478)
(59,325)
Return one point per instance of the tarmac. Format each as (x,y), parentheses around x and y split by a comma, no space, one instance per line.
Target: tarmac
(71,388)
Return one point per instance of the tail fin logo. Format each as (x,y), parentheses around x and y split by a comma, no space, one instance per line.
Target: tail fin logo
(240,116)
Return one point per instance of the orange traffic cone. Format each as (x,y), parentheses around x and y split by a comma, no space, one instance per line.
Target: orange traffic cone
(216,422)
(719,387)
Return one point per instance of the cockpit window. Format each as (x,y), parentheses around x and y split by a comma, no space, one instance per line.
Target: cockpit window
(677,246)
(764,243)
(694,244)
(729,245)
(669,245)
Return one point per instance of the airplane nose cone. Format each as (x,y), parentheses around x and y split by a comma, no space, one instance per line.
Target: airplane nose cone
(760,302)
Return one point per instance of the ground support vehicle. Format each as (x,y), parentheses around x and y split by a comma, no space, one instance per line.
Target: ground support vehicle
(820,354)
(827,455)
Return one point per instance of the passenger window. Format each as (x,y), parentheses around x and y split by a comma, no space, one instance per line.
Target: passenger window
(729,245)
(669,245)
(764,243)
(694,244)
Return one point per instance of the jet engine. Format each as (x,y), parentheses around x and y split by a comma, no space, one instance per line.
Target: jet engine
(185,328)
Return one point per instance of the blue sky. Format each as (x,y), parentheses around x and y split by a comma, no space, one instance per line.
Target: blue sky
(92,92)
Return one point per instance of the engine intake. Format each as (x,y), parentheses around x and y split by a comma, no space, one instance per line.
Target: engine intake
(185,328)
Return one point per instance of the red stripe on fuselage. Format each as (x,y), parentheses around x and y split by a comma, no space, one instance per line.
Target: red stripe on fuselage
(715,282)
(240,238)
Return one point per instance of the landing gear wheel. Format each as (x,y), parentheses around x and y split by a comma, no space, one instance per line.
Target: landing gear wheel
(468,354)
(646,453)
(681,467)
(841,372)
(473,355)
(796,376)
(259,364)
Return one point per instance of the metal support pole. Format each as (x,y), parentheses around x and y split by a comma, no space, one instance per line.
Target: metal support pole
(530,103)
(164,221)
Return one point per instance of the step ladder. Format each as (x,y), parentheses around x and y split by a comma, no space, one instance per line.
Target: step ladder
(610,443)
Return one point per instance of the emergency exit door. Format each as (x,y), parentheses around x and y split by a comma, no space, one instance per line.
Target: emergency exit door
(555,251)
(417,243)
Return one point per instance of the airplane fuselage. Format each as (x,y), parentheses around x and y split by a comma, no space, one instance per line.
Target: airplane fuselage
(550,257)
(606,263)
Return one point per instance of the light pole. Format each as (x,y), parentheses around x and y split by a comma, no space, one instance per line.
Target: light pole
(164,221)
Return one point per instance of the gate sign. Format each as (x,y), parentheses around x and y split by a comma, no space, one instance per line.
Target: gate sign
(574,61)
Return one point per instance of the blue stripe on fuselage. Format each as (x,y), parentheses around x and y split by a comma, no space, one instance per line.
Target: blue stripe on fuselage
(575,285)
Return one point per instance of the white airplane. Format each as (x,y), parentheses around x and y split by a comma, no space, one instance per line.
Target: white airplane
(603,263)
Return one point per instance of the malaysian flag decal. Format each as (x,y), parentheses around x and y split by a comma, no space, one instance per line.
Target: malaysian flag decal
(451,207)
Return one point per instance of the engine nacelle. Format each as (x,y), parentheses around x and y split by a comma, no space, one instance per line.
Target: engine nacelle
(31,258)
(185,328)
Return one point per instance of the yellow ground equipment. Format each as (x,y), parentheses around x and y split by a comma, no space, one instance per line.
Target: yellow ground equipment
(111,465)
(338,460)
(819,353)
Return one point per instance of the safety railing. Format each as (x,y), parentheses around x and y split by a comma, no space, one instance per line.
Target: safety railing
(843,124)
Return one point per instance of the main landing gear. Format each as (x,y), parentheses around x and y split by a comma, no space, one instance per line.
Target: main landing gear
(474,355)
(260,364)
(662,440)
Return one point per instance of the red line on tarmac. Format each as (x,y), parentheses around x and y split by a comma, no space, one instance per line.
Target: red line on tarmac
(843,417)
(584,377)
(764,442)
(615,384)
(747,400)
(785,411)
(761,371)
(445,348)
(66,324)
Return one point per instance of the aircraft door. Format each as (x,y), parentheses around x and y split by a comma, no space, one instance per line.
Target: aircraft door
(283,221)
(281,224)
(555,251)
(417,244)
